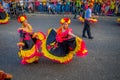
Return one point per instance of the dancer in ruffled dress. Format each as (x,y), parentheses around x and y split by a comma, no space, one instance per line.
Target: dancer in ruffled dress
(30,42)
(61,44)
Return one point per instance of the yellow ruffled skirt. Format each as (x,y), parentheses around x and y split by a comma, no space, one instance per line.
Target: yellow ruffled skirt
(4,21)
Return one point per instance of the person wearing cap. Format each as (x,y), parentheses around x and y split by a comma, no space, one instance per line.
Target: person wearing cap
(61,44)
(30,42)
(88,16)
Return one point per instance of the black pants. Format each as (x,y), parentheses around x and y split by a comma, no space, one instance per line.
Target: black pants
(76,12)
(86,28)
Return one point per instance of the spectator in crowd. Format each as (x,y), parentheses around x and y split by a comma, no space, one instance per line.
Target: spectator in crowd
(44,5)
(107,8)
(58,7)
(1,1)
(19,9)
(71,6)
(118,9)
(37,3)
(112,7)
(31,6)
(77,8)
(6,6)
(103,9)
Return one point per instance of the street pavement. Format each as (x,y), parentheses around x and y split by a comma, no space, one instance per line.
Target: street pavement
(102,62)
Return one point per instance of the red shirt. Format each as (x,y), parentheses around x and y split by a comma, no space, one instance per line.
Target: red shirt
(1,10)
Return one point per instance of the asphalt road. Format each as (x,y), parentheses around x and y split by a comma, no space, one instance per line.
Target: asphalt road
(102,62)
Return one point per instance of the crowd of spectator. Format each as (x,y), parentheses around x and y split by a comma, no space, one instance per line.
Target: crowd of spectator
(101,7)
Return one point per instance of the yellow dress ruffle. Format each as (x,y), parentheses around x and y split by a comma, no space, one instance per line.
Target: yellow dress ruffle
(92,20)
(81,19)
(5,20)
(25,54)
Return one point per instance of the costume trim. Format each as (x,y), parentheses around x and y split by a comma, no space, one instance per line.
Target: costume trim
(80,50)
(39,35)
(63,20)
(65,59)
(20,44)
(22,18)
(92,20)
(59,36)
(29,56)
(27,31)
(4,21)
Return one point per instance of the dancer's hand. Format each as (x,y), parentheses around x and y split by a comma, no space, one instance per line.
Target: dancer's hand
(94,16)
(20,47)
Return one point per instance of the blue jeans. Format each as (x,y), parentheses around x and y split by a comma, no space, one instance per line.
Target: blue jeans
(58,8)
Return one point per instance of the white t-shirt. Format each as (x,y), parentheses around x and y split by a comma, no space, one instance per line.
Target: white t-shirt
(21,3)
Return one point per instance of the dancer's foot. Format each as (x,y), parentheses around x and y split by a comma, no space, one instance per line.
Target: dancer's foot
(91,37)
(84,36)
